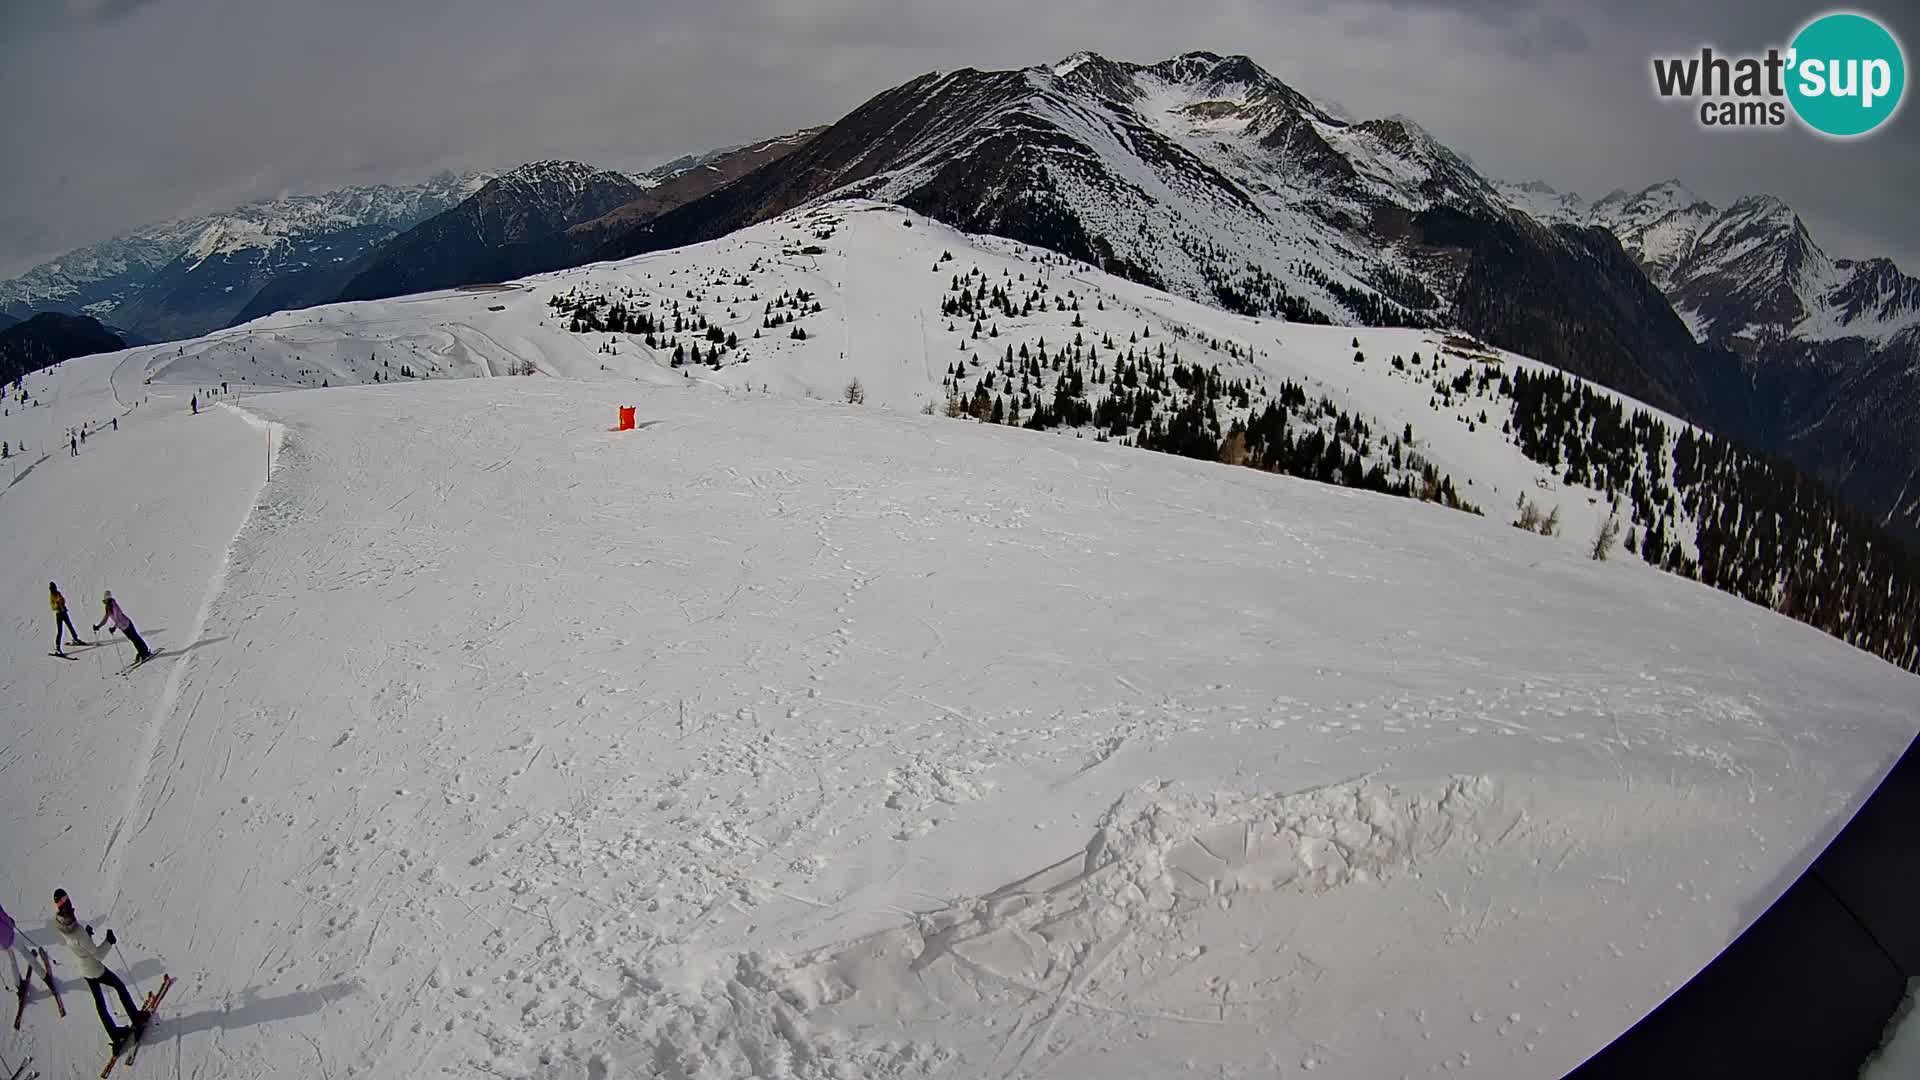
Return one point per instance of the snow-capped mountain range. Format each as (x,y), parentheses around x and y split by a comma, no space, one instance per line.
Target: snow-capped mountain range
(542,216)
(183,278)
(1829,348)
(1747,275)
(978,742)
(189,276)
(1206,175)
(1203,173)
(457,246)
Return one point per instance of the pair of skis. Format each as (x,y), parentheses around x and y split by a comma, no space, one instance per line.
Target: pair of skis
(26,983)
(131,1048)
(128,670)
(128,1050)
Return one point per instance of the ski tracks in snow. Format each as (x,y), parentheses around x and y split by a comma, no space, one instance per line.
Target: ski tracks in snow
(157,722)
(569,753)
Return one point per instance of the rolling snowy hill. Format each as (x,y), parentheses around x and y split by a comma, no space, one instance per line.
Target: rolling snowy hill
(928,318)
(887,284)
(788,737)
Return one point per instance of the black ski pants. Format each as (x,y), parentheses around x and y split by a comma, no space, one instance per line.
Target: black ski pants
(60,622)
(140,650)
(100,999)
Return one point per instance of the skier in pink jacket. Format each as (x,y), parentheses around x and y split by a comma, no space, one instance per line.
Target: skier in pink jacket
(120,622)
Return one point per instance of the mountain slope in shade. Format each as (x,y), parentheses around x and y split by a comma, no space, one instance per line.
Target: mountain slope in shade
(1746,275)
(670,186)
(98,278)
(47,339)
(678,184)
(463,251)
(1207,176)
(1828,369)
(186,277)
(210,284)
(460,246)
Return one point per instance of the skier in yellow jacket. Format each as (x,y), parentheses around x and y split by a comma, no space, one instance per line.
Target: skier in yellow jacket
(61,620)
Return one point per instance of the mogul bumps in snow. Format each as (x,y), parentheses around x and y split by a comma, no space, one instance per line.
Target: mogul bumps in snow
(112,614)
(80,939)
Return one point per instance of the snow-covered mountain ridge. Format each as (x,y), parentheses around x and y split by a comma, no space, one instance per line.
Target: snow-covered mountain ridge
(1749,274)
(1207,176)
(925,317)
(1829,348)
(101,278)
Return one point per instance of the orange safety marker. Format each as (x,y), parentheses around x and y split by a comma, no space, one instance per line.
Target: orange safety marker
(626,418)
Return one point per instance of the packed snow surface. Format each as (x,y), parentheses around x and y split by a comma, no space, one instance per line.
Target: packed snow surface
(790,738)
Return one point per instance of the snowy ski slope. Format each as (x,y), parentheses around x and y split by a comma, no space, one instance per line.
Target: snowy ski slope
(788,738)
(880,275)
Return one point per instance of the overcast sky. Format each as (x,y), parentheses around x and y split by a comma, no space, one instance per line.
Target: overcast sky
(125,112)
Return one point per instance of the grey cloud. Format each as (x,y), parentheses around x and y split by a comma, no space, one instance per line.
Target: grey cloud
(1561,34)
(1522,28)
(26,16)
(145,111)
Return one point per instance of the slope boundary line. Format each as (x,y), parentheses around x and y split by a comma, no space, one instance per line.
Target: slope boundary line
(176,679)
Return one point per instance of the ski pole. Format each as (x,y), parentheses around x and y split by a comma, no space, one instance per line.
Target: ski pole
(124,966)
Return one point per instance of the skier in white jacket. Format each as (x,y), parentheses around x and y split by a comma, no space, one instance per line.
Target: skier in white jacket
(80,940)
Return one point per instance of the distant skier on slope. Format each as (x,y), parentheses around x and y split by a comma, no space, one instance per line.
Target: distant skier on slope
(73,444)
(61,620)
(194,401)
(80,940)
(113,614)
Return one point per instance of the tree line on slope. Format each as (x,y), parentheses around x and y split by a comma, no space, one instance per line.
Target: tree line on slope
(1761,529)
(1697,507)
(1140,394)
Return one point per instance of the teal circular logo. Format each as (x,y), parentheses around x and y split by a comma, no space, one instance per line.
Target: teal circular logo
(1847,74)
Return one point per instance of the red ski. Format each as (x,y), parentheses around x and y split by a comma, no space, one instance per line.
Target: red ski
(132,1049)
(46,972)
